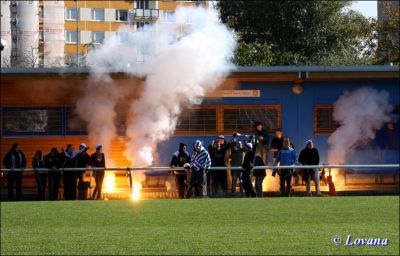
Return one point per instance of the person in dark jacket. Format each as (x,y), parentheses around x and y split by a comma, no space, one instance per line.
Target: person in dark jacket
(179,159)
(219,177)
(259,175)
(262,138)
(276,143)
(83,162)
(309,156)
(15,158)
(286,157)
(69,160)
(236,157)
(52,161)
(248,165)
(97,159)
(40,176)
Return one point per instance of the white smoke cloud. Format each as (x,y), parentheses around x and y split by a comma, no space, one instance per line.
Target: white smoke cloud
(180,61)
(360,114)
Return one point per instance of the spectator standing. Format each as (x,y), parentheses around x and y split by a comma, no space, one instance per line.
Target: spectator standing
(286,157)
(248,165)
(236,156)
(97,159)
(259,175)
(179,159)
(40,176)
(262,139)
(14,159)
(276,143)
(52,161)
(219,177)
(69,160)
(83,162)
(310,156)
(199,166)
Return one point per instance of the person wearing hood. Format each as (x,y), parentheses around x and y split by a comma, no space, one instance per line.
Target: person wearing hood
(83,162)
(70,178)
(218,154)
(179,159)
(200,164)
(261,134)
(52,161)
(286,157)
(14,159)
(248,165)
(97,159)
(309,156)
(40,176)
(236,159)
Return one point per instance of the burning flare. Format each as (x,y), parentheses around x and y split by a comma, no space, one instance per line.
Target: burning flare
(109,182)
(136,187)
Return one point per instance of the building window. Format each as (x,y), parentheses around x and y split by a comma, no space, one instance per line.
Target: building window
(32,121)
(74,124)
(97,37)
(242,118)
(197,120)
(98,14)
(121,15)
(71,14)
(123,37)
(323,119)
(168,16)
(71,37)
(142,4)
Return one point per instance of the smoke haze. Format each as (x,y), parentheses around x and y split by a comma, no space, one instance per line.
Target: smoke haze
(360,114)
(180,61)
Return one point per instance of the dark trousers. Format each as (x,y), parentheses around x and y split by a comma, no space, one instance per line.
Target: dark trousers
(219,179)
(285,181)
(14,177)
(198,182)
(80,175)
(180,178)
(41,182)
(70,180)
(235,177)
(245,178)
(98,177)
(54,184)
(258,185)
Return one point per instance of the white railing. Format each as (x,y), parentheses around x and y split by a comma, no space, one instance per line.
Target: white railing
(166,168)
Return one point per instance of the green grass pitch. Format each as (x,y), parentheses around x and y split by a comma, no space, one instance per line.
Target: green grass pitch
(201,226)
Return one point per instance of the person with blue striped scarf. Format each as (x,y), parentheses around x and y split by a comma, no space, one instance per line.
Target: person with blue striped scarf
(199,166)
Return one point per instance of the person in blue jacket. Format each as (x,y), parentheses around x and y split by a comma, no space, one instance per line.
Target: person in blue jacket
(286,157)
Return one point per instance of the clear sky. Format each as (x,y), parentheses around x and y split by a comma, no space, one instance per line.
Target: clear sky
(367,8)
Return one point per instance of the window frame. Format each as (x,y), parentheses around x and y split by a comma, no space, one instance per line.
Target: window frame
(67,41)
(67,9)
(6,133)
(92,14)
(118,15)
(92,37)
(276,107)
(317,130)
(220,119)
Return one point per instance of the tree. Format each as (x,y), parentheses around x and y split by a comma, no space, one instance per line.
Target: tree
(299,32)
(388,35)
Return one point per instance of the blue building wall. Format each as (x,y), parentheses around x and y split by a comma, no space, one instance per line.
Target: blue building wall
(297,114)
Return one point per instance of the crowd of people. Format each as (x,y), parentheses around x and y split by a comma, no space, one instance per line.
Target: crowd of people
(196,179)
(246,151)
(73,181)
